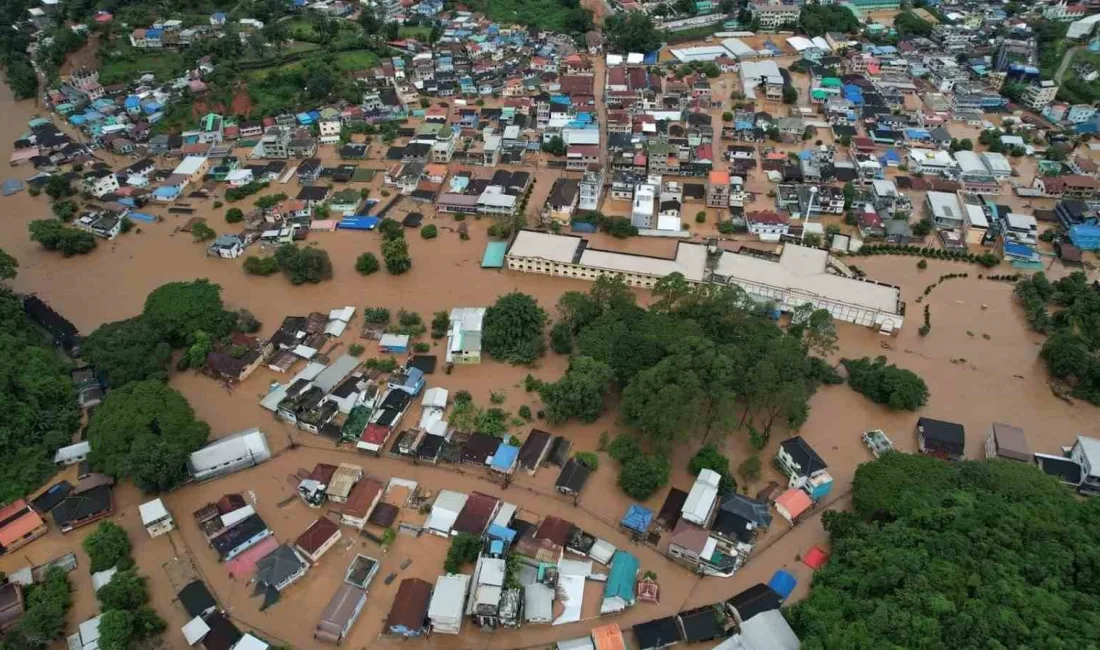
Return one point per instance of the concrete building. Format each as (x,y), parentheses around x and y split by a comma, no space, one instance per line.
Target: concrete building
(774,16)
(1039,95)
(943,209)
(156,518)
(591,190)
(718,189)
(796,276)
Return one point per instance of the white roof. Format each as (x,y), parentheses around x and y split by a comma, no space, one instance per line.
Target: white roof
(190,165)
(538,603)
(469,318)
(800,43)
(932,157)
(445,510)
(944,205)
(970,162)
(752,72)
(304,351)
(100,579)
(766,631)
(249,642)
(976,216)
(335,328)
(394,340)
(580,136)
(344,314)
(602,551)
(505,514)
(1021,221)
(737,47)
(702,53)
(273,397)
(547,246)
(152,511)
(885,187)
(448,597)
(195,630)
(492,571)
(435,398)
(635,57)
(239,175)
(571,589)
(234,517)
(701,498)
(494,196)
(251,442)
(1090,448)
(70,452)
(617,59)
(997,163)
(89,631)
(336,372)
(580,568)
(821,43)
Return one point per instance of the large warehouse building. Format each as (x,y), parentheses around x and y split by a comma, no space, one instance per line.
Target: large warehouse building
(796,276)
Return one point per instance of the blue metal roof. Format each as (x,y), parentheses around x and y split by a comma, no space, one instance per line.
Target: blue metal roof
(783,583)
(505,457)
(359,222)
(638,518)
(500,532)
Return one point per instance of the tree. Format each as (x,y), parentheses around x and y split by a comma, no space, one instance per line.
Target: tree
(179,309)
(708,457)
(934,549)
(304,264)
(966,144)
(908,23)
(262,266)
(643,475)
(9,266)
(441,323)
(116,630)
(64,210)
(429,231)
(561,338)
(580,393)
(464,550)
(58,188)
(128,350)
(126,590)
(391,229)
(886,384)
(108,547)
(633,31)
(201,232)
(555,146)
(395,254)
(513,329)
(749,469)
(578,309)
(366,264)
(197,353)
(669,290)
(924,227)
(145,431)
(790,95)
(816,328)
(234,215)
(44,617)
(56,236)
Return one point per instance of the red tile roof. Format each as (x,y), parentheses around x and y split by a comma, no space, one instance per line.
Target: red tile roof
(316,535)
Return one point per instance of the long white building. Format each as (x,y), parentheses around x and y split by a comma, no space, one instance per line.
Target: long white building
(797,276)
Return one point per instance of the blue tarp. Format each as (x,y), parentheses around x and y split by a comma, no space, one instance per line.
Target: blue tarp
(11,186)
(505,457)
(783,583)
(650,58)
(142,216)
(500,532)
(133,101)
(638,518)
(359,223)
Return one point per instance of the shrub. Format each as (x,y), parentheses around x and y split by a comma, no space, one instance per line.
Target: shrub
(108,546)
(420,347)
(749,469)
(355,349)
(525,412)
(700,217)
(624,448)
(366,264)
(464,550)
(429,231)
(260,265)
(588,459)
(234,215)
(923,264)
(643,475)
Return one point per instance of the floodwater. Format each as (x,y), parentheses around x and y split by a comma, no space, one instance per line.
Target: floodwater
(979,360)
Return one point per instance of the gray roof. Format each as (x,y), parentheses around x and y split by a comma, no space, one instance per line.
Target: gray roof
(279,565)
(746,508)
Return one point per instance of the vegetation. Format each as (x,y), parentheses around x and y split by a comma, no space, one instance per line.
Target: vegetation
(395,254)
(376,315)
(555,146)
(234,194)
(464,550)
(234,215)
(263,266)
(179,309)
(145,431)
(632,31)
(552,15)
(1068,310)
(749,469)
(54,235)
(641,476)
(561,338)
(429,231)
(790,95)
(908,23)
(708,457)
(579,393)
(441,323)
(108,547)
(128,350)
(976,554)
(887,384)
(39,412)
(513,329)
(126,590)
(201,232)
(9,266)
(43,620)
(367,264)
(301,265)
(815,20)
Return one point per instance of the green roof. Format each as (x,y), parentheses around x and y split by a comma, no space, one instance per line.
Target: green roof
(831,82)
(622,577)
(494,255)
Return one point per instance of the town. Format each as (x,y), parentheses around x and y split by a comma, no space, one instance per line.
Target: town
(575,325)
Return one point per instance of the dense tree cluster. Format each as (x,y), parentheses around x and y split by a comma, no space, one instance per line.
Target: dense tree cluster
(145,431)
(908,23)
(127,618)
(989,554)
(54,235)
(640,474)
(816,20)
(38,412)
(304,264)
(887,384)
(580,393)
(43,620)
(514,329)
(9,266)
(464,550)
(631,31)
(1068,310)
(108,547)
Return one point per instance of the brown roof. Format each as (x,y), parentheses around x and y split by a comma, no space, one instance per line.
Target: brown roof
(316,535)
(410,604)
(554,529)
(689,536)
(361,497)
(533,448)
(475,515)
(1011,442)
(322,473)
(229,503)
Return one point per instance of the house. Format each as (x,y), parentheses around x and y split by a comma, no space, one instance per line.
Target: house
(11,605)
(803,467)
(573,476)
(940,439)
(19,525)
(619,593)
(445,611)
(342,482)
(476,514)
(394,344)
(792,504)
(87,634)
(740,518)
(757,599)
(464,335)
(99,182)
(227,246)
(229,454)
(72,454)
(79,509)
(240,537)
(408,615)
(718,189)
(361,503)
(444,512)
(504,459)
(318,539)
(279,569)
(943,209)
(534,450)
(1066,470)
(768,225)
(768,630)
(196,599)
(1008,442)
(693,547)
(1086,452)
(155,518)
(608,637)
(657,634)
(340,614)
(702,497)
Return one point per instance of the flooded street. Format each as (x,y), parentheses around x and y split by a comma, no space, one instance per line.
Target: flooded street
(980,362)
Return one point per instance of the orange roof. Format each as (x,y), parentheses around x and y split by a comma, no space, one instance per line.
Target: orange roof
(18,528)
(794,501)
(608,637)
(435,170)
(719,177)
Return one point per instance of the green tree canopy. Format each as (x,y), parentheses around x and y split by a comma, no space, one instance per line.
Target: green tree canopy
(632,31)
(44,616)
(366,264)
(641,476)
(145,431)
(580,393)
(395,255)
(9,266)
(179,309)
(56,236)
(128,350)
(126,590)
(304,264)
(108,547)
(513,330)
(116,630)
(977,554)
(887,384)
(464,550)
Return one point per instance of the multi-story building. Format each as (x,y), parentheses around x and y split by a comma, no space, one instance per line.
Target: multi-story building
(774,16)
(274,144)
(443,148)
(1015,51)
(591,189)
(718,190)
(329,131)
(1063,12)
(642,209)
(944,210)
(1038,95)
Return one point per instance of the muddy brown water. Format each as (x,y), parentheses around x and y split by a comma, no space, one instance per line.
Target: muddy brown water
(980,362)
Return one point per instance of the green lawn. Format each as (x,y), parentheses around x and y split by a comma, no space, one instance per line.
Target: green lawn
(419,32)
(126,63)
(356,60)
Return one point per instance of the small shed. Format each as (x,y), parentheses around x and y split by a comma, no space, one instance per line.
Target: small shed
(657,634)
(941,439)
(505,458)
(637,519)
(394,344)
(783,583)
(791,504)
(73,454)
(1007,442)
(155,518)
